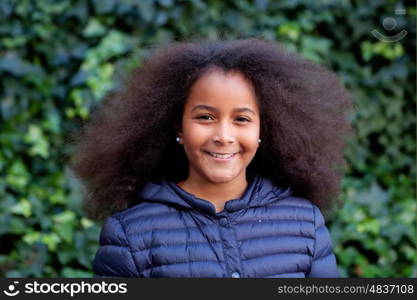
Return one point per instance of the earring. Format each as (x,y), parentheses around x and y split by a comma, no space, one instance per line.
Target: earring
(259,141)
(178,139)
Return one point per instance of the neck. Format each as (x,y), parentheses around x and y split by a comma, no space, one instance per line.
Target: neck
(216,193)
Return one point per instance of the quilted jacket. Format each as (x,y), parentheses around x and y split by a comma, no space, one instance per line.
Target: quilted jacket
(172,233)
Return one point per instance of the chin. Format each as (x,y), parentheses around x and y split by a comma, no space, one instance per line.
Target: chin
(221,178)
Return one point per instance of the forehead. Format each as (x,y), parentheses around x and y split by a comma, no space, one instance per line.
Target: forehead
(222,90)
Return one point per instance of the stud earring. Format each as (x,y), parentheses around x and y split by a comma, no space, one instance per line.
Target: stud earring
(259,141)
(178,139)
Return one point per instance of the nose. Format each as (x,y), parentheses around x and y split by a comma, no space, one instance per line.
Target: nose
(224,134)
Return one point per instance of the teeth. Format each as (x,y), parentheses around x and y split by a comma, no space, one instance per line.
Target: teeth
(224,156)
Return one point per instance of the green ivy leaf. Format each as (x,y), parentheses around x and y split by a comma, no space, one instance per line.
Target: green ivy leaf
(40,145)
(17,175)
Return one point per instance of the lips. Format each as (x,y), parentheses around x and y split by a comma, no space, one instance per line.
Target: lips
(222,156)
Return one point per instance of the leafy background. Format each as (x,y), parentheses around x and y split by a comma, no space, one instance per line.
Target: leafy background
(59,57)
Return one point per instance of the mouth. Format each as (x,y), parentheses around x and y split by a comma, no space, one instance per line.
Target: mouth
(221,156)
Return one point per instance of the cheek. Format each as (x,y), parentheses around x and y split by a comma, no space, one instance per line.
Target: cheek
(194,138)
(250,141)
(251,147)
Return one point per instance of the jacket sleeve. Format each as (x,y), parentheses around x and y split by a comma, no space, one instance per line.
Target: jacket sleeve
(114,257)
(324,261)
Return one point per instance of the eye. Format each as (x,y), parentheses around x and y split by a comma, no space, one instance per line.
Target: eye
(204,117)
(242,119)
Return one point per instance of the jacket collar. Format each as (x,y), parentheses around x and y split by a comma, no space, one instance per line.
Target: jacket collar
(260,192)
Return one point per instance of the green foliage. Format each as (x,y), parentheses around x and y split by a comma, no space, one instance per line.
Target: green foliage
(58,59)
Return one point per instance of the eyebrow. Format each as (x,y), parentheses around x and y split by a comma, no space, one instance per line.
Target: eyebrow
(239,109)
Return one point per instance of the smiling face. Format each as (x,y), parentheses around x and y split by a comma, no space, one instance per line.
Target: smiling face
(220,127)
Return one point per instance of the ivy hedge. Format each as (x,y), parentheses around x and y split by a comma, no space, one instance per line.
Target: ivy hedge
(59,57)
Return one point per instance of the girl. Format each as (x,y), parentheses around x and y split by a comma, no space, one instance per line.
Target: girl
(214,161)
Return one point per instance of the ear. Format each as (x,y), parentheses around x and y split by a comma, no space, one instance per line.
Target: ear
(178,130)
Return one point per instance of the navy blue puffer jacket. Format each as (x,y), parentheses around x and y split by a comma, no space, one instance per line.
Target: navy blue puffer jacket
(172,233)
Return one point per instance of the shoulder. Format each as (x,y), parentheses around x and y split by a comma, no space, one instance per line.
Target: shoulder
(284,198)
(141,210)
(142,217)
(302,208)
